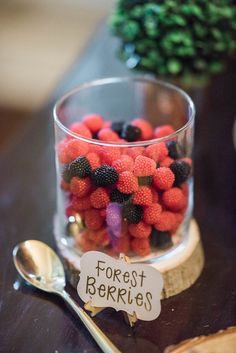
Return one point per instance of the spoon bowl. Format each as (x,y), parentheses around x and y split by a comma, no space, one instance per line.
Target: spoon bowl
(40,266)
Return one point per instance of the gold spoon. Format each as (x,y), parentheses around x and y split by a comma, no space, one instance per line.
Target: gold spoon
(39,265)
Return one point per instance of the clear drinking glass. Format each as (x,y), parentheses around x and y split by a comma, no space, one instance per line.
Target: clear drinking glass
(92,214)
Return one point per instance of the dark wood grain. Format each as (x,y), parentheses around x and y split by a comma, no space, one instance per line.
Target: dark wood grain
(31,321)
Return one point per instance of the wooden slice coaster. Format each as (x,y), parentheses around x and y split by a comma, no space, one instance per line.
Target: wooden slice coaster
(180,269)
(221,342)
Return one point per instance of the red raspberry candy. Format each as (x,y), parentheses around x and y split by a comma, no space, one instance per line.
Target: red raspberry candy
(109,154)
(166,162)
(94,160)
(157,151)
(65,186)
(107,134)
(102,237)
(124,150)
(179,216)
(80,187)
(174,199)
(71,150)
(163,151)
(153,151)
(145,127)
(121,245)
(81,204)
(93,147)
(163,178)
(81,129)
(166,221)
(135,151)
(99,198)
(103,212)
(93,219)
(163,131)
(178,220)
(144,166)
(70,211)
(84,243)
(127,183)
(107,124)
(99,237)
(141,246)
(143,196)
(124,163)
(140,230)
(184,187)
(62,152)
(152,213)
(93,122)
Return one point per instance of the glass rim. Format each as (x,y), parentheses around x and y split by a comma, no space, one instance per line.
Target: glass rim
(110,80)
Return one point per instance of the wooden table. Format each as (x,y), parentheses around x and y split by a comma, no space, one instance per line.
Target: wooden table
(31,321)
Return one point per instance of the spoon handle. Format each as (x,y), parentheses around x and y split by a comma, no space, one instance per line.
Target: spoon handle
(102,340)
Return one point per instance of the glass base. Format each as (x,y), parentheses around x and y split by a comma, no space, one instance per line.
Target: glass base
(180,239)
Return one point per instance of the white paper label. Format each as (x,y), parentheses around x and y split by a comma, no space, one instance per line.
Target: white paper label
(108,282)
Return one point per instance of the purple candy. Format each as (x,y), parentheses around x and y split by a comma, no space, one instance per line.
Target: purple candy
(114,220)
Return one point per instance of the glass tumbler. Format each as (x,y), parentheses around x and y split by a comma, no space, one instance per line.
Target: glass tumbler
(124,168)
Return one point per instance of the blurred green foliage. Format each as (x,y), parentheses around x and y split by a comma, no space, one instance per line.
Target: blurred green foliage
(183,40)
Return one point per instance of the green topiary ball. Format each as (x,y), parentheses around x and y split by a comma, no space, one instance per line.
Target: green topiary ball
(183,40)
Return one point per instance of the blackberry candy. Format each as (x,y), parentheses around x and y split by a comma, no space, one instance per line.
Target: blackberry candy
(80,167)
(104,176)
(161,240)
(146,180)
(172,149)
(181,171)
(119,197)
(133,214)
(117,126)
(131,133)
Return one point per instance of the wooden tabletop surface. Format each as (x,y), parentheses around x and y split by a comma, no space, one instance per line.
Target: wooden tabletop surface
(31,321)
